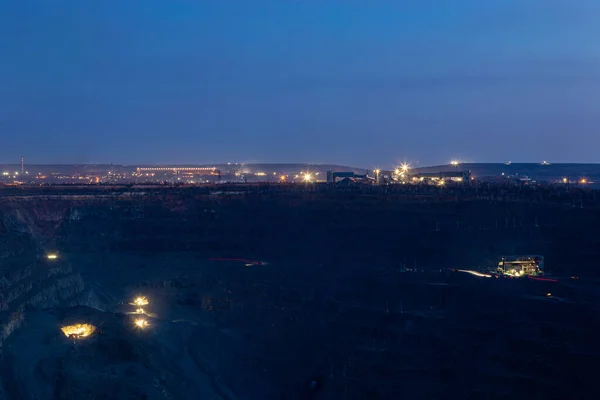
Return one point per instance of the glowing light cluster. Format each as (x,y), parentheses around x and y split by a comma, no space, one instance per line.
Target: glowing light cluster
(52,256)
(141,323)
(140,301)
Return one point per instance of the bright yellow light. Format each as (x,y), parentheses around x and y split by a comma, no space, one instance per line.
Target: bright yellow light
(307,177)
(377,171)
(442,182)
(454,162)
(140,311)
(141,323)
(583,181)
(78,331)
(52,256)
(548,294)
(140,301)
(282,178)
(405,167)
(564,180)
(397,171)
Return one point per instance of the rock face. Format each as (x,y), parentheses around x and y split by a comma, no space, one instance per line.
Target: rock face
(27,278)
(333,305)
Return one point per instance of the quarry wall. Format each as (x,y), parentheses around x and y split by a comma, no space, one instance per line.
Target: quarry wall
(352,231)
(334,232)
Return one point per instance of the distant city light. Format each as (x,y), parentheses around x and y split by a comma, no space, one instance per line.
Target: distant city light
(52,256)
(583,181)
(565,180)
(454,163)
(307,177)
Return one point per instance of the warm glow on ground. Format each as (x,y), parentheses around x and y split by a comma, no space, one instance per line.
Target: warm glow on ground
(78,331)
(52,256)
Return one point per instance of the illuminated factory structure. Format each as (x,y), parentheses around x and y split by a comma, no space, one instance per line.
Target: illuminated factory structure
(529,265)
(401,175)
(457,176)
(177,170)
(332,176)
(182,172)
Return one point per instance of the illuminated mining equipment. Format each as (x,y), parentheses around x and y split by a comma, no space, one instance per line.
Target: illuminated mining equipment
(518,266)
(78,331)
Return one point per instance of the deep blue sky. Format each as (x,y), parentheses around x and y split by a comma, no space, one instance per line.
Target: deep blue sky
(365,83)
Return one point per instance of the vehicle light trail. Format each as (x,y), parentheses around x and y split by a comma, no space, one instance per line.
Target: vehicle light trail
(543,279)
(475,273)
(243,260)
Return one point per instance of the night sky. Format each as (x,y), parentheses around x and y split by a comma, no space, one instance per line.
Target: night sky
(362,83)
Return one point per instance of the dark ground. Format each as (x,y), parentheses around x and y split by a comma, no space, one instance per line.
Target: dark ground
(330,303)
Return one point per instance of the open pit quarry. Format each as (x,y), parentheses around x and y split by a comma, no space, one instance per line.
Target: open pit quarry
(256,294)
